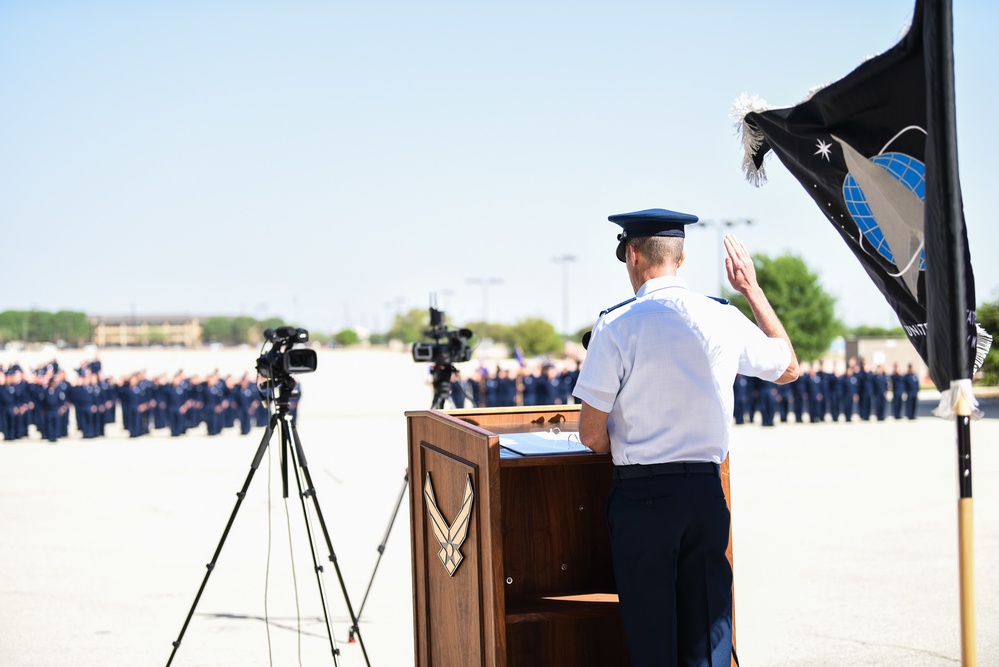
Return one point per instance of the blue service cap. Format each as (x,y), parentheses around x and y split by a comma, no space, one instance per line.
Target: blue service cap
(650,222)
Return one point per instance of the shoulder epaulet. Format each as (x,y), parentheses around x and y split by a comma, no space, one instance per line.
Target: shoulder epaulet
(615,307)
(586,336)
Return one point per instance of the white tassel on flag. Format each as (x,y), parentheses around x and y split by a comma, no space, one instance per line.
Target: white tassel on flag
(982,347)
(960,391)
(751,136)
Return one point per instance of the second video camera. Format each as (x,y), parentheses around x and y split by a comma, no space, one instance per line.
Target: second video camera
(450,346)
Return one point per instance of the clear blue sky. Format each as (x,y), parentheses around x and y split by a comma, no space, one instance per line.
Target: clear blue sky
(334,162)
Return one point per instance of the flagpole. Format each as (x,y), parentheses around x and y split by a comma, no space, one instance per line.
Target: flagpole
(946,301)
(965,530)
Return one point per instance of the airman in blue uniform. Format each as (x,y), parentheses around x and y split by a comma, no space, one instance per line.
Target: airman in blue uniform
(880,393)
(767,393)
(897,391)
(865,391)
(6,407)
(816,399)
(53,405)
(740,391)
(849,387)
(529,381)
(799,392)
(911,392)
(506,389)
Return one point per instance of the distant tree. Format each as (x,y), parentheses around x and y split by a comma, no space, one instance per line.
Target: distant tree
(320,338)
(409,327)
(346,337)
(378,338)
(988,317)
(41,327)
(867,331)
(803,306)
(13,325)
(535,336)
(500,333)
(72,327)
(217,330)
(37,326)
(244,330)
(236,330)
(270,323)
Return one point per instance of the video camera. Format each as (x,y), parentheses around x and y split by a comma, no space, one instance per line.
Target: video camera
(450,346)
(283,360)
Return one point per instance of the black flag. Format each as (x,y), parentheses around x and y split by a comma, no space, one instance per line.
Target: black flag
(859,147)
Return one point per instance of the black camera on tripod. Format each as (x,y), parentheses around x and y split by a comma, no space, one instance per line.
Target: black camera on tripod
(450,346)
(283,360)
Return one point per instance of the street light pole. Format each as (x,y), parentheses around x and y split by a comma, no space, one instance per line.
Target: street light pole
(564,261)
(722,227)
(485,282)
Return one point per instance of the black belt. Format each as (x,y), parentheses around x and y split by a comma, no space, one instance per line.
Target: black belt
(674,468)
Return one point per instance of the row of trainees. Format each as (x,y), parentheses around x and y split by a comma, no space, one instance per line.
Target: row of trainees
(535,384)
(45,399)
(819,393)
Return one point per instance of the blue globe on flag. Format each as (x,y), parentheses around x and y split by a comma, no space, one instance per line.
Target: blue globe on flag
(910,172)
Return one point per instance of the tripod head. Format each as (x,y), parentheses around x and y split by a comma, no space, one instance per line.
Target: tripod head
(441,374)
(278,390)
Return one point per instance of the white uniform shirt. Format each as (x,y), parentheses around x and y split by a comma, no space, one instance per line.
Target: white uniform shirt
(663,366)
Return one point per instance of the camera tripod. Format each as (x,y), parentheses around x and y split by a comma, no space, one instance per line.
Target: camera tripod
(441,374)
(284,423)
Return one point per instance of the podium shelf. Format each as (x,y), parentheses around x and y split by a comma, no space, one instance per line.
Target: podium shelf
(530,609)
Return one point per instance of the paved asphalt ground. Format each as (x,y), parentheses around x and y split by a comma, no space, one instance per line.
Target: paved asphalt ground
(845,535)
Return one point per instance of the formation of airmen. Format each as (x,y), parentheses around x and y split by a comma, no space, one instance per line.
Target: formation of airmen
(818,395)
(528,384)
(44,398)
(856,390)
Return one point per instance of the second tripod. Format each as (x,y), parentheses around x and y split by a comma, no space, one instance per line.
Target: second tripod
(291,451)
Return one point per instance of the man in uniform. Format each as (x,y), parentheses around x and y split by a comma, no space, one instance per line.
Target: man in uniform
(799,389)
(6,407)
(880,393)
(911,392)
(529,380)
(506,389)
(656,389)
(848,393)
(865,391)
(740,394)
(816,399)
(897,391)
(177,405)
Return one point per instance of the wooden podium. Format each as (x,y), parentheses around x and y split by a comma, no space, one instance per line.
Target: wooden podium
(511,553)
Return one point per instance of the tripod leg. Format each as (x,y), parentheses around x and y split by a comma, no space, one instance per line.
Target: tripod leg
(299,455)
(239,501)
(285,443)
(381,547)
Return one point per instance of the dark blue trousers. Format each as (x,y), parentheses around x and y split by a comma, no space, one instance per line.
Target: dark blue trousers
(668,539)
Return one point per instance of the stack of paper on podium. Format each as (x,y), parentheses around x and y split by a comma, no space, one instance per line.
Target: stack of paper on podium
(544,443)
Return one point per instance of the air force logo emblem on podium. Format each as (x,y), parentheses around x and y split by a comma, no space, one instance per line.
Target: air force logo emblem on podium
(452,536)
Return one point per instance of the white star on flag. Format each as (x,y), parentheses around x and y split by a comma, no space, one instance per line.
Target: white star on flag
(824,149)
